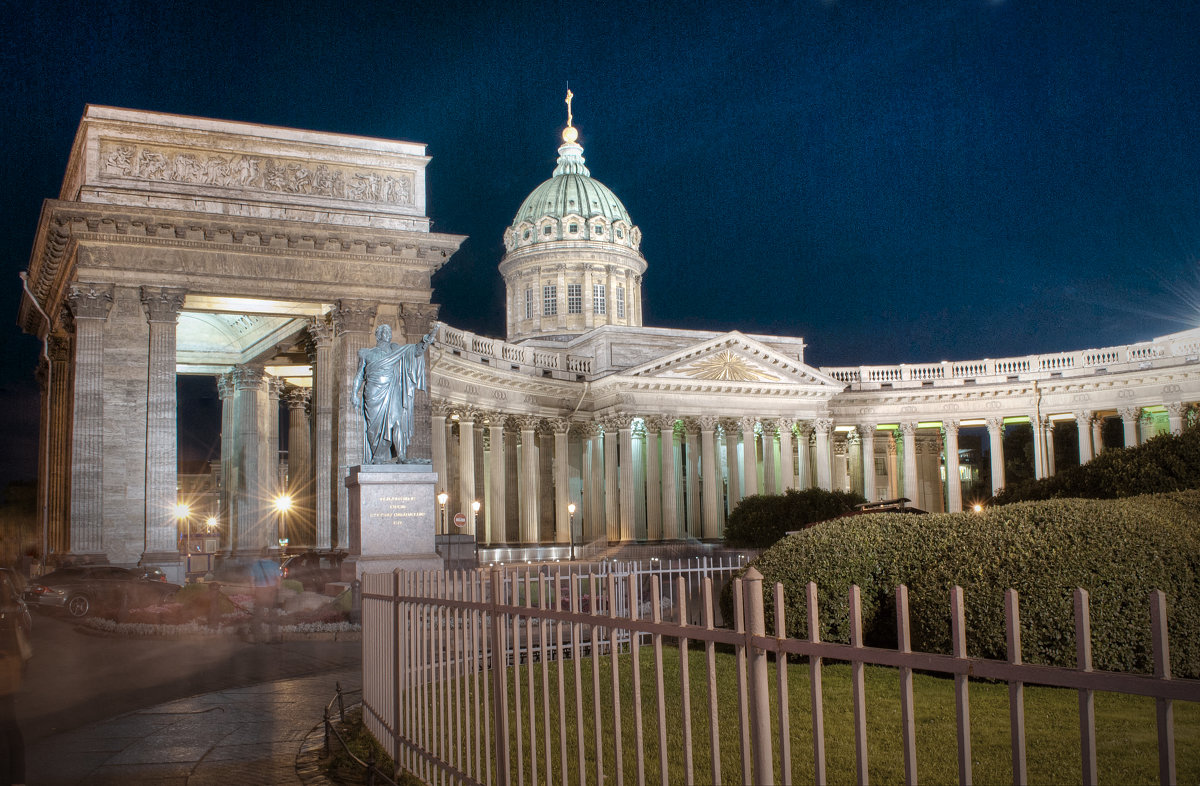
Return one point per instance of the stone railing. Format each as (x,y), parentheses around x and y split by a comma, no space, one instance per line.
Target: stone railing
(1181,348)
(495,351)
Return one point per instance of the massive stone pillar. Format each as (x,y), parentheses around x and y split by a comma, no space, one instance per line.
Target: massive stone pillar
(437,443)
(624,426)
(496,529)
(594,497)
(466,467)
(1083,425)
(562,479)
(528,479)
(691,455)
(734,481)
(787,453)
(665,425)
(1175,411)
(250,515)
(162,462)
(1097,435)
(1129,419)
(1048,430)
(612,500)
(272,480)
(768,444)
(711,528)
(995,427)
(804,438)
(749,457)
(854,463)
(908,431)
(894,481)
(300,480)
(353,325)
(58,453)
(824,430)
(226,392)
(953,481)
(324,461)
(866,432)
(90,305)
(1039,446)
(654,525)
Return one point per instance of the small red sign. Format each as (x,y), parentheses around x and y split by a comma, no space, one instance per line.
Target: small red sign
(460,519)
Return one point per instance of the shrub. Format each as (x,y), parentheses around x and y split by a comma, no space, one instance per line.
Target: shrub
(1166,463)
(761,519)
(291,585)
(1119,550)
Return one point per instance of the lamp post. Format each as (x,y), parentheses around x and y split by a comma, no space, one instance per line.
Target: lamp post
(475,515)
(571,528)
(442,498)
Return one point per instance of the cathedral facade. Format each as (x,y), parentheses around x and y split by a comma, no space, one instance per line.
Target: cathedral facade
(265,257)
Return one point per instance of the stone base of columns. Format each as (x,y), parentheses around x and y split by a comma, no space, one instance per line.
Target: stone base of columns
(170,561)
(393,512)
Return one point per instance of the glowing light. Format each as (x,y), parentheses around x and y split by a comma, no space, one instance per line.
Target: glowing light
(475,506)
(571,508)
(977,508)
(182,511)
(212,522)
(283,503)
(442,498)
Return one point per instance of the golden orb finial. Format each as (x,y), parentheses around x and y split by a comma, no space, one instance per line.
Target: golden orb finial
(569,133)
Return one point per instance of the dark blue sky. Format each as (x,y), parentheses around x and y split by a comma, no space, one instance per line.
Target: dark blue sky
(895,182)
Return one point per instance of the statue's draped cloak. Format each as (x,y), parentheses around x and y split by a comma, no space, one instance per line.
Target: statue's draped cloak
(392,381)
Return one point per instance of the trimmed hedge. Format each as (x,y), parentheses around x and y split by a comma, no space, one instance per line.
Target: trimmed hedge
(1118,550)
(1166,463)
(762,519)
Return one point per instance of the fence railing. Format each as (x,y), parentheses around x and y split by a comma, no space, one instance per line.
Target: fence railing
(445,654)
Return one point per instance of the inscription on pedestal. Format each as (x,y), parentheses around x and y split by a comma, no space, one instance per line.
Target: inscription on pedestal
(392,517)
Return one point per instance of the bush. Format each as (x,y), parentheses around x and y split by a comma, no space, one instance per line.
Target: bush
(291,585)
(761,519)
(1166,463)
(1119,550)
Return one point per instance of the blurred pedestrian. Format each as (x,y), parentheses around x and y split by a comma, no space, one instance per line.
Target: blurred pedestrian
(265,575)
(15,650)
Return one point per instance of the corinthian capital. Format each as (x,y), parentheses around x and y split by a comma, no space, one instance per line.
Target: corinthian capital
(823,426)
(353,316)
(162,304)
(320,331)
(90,301)
(1131,414)
(707,422)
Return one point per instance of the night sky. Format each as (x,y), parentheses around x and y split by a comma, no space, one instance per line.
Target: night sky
(895,182)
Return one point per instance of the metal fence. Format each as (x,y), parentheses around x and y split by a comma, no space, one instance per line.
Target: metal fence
(444,655)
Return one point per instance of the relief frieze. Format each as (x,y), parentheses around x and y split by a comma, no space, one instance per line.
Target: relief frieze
(245,172)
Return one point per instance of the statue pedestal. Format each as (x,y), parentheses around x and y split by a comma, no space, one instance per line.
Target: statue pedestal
(392,524)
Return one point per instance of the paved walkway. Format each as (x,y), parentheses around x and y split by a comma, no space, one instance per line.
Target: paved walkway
(262,734)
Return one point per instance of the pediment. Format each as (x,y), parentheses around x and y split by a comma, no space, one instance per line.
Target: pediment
(733,358)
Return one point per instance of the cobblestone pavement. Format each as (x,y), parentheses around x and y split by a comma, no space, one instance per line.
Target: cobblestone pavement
(261,734)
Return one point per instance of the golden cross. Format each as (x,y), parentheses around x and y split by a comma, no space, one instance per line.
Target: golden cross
(570,95)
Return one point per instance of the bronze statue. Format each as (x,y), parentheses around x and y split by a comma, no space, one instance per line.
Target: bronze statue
(390,376)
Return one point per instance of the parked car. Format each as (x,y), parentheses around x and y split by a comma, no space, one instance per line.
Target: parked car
(87,589)
(313,569)
(13,603)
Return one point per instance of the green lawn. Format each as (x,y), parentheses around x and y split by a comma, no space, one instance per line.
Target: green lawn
(1126,735)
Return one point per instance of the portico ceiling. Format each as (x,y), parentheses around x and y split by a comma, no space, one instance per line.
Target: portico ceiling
(217,333)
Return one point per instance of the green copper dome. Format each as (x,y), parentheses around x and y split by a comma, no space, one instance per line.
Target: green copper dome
(571,192)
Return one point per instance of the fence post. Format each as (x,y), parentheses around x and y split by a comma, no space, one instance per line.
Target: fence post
(1164,710)
(758,684)
(499,676)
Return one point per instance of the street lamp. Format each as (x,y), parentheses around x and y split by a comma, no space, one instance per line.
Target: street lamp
(283,503)
(475,506)
(443,497)
(571,529)
(184,514)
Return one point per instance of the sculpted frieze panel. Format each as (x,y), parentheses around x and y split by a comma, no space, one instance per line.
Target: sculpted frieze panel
(269,174)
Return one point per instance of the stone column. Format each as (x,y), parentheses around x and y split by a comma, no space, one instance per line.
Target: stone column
(528,479)
(1097,435)
(995,427)
(665,425)
(1083,425)
(691,441)
(299,465)
(1129,419)
(497,530)
(226,391)
(593,494)
(58,452)
(162,494)
(711,528)
(731,462)
(854,462)
(353,326)
(1175,411)
(623,424)
(804,455)
(749,457)
(866,432)
(1039,447)
(612,499)
(562,479)
(466,468)
(787,453)
(910,489)
(437,443)
(1048,429)
(953,481)
(768,443)
(824,430)
(654,522)
(894,489)
(248,522)
(320,355)
(840,477)
(90,304)
(272,482)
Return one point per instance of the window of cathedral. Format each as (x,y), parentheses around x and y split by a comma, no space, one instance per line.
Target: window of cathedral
(620,302)
(526,234)
(549,300)
(574,298)
(529,302)
(598,229)
(547,229)
(598,304)
(573,228)
(620,233)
